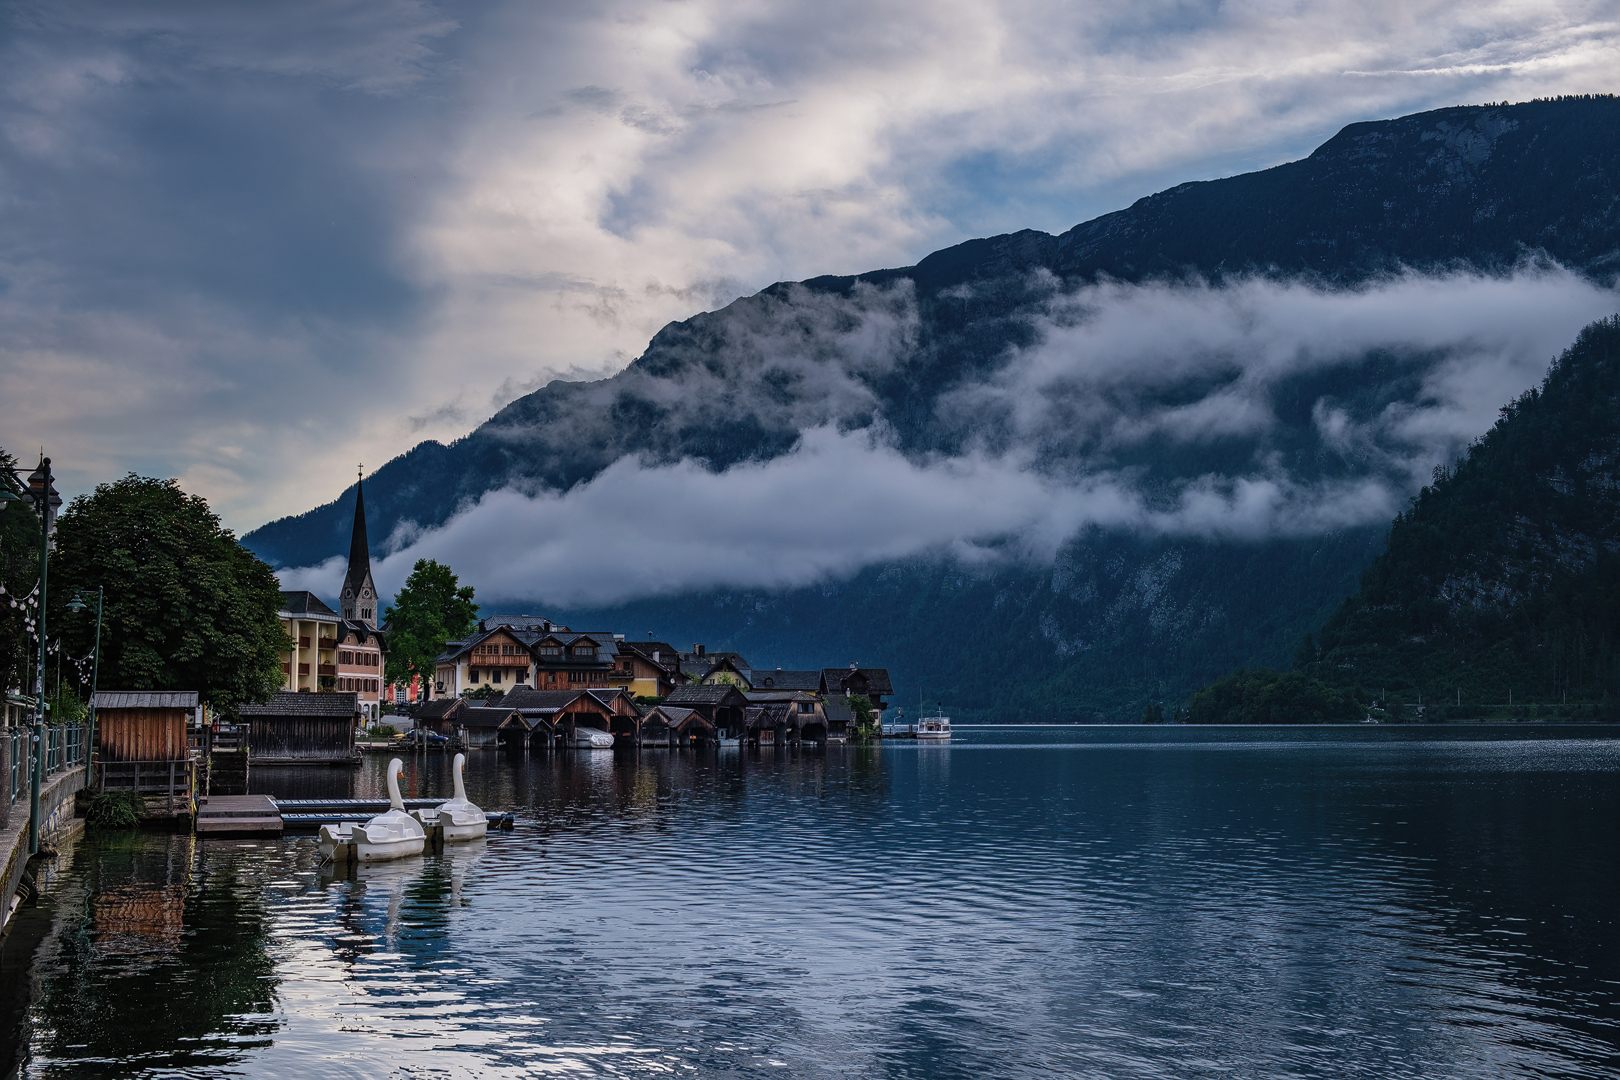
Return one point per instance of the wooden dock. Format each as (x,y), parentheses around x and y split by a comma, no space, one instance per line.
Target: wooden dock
(262,815)
(238,815)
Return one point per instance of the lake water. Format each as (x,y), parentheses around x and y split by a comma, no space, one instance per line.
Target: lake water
(1026,902)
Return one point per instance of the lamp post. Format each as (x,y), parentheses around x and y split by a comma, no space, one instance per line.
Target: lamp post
(42,493)
(78,604)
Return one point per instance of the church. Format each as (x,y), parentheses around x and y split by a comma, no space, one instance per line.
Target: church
(338,651)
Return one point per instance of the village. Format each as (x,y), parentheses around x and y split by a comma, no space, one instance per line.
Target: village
(168,757)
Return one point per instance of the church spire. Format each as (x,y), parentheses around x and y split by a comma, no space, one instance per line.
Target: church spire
(359,601)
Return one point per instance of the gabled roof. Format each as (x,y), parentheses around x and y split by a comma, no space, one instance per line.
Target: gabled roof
(439,708)
(671,714)
(362,631)
(304,602)
(769,715)
(529,700)
(287,703)
(703,695)
(877,679)
(667,654)
(761,697)
(486,717)
(144,699)
(786,680)
(454,649)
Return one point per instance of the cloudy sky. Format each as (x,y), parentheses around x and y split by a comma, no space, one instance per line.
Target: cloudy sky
(251,245)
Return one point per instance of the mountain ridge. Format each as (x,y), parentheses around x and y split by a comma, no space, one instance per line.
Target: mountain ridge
(931,357)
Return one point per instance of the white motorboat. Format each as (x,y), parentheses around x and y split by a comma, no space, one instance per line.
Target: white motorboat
(458,820)
(393,834)
(936,728)
(591,739)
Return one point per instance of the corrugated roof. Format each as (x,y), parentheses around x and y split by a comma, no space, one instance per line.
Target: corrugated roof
(144,699)
(287,703)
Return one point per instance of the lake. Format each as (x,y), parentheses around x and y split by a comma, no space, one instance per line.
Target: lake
(1025,902)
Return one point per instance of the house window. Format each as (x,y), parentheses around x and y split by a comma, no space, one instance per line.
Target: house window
(520,675)
(585,651)
(553,651)
(508,650)
(472,675)
(495,675)
(807,706)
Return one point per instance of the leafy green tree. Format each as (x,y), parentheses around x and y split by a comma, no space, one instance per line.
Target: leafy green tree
(187,607)
(431,609)
(1265,697)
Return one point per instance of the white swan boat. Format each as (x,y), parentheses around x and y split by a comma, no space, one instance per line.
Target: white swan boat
(591,739)
(393,834)
(458,820)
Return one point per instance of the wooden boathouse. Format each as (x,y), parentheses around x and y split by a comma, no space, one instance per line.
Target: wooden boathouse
(302,729)
(674,727)
(722,706)
(142,744)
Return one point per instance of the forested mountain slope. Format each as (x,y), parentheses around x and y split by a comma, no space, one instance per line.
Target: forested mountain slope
(1504,576)
(954,359)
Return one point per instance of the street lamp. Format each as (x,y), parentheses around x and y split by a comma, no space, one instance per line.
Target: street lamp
(42,493)
(78,603)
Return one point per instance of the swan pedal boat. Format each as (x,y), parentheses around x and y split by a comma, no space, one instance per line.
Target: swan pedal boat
(457,820)
(393,834)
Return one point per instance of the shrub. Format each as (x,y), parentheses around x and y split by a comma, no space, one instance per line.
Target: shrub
(381,731)
(114,810)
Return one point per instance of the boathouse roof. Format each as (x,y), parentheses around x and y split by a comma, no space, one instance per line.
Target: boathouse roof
(702,695)
(487,717)
(287,703)
(144,699)
(439,708)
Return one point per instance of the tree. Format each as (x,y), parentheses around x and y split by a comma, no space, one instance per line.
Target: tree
(187,607)
(428,611)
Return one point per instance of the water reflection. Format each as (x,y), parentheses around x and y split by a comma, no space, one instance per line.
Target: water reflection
(1020,903)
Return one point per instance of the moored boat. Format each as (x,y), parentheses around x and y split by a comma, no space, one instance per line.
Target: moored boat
(457,819)
(393,834)
(936,728)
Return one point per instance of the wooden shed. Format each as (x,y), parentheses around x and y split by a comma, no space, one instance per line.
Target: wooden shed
(141,741)
(302,729)
(484,726)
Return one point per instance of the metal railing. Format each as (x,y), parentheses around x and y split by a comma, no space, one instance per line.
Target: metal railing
(64,748)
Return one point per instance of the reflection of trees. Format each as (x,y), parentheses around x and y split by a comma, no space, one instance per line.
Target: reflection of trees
(156,958)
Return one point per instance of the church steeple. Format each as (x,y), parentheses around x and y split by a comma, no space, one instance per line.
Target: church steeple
(359,600)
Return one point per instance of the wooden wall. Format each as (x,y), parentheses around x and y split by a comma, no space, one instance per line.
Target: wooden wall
(141,734)
(313,739)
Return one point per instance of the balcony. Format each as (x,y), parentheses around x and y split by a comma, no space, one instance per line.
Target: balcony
(328,643)
(303,669)
(324,669)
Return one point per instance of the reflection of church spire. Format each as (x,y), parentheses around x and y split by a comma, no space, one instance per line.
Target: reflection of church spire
(359,601)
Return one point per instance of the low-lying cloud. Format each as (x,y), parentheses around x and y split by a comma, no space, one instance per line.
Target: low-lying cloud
(1047,443)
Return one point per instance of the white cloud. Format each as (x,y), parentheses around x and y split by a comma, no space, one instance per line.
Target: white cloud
(359,224)
(1044,434)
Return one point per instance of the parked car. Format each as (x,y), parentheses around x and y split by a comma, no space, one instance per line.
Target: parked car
(420,738)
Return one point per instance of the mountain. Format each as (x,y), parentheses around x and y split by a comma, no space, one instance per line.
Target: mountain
(1502,581)
(953,360)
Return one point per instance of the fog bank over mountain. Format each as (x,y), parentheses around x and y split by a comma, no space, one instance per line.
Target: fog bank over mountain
(1240,412)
